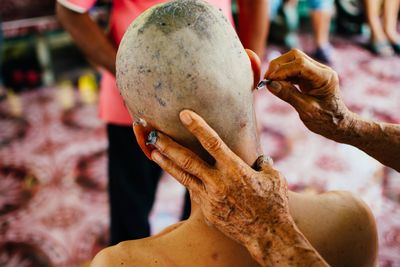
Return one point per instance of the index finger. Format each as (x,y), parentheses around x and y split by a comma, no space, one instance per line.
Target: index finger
(207,137)
(185,159)
(300,70)
(292,55)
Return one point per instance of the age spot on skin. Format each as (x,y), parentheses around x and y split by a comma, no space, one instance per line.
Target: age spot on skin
(158,86)
(215,256)
(161,101)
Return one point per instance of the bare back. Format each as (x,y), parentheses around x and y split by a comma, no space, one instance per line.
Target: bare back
(337,224)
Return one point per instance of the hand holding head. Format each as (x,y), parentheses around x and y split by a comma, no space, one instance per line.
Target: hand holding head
(238,200)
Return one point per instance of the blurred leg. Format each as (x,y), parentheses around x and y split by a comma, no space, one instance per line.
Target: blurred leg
(379,41)
(372,8)
(390,14)
(321,21)
(321,13)
(291,17)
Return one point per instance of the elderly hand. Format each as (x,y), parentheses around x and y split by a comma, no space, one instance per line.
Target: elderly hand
(237,199)
(248,205)
(318,101)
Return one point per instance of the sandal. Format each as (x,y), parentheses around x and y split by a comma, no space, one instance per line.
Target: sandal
(383,49)
(396,47)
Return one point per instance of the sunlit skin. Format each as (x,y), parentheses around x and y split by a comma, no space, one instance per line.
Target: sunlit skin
(322,110)
(196,62)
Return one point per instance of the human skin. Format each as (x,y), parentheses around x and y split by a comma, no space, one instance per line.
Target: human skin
(390,13)
(250,206)
(93,42)
(322,110)
(265,227)
(321,22)
(102,52)
(185,54)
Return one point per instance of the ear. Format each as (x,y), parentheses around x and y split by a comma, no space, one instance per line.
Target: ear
(255,65)
(141,133)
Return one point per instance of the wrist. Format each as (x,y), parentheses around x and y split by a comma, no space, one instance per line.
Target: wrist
(347,128)
(282,244)
(271,238)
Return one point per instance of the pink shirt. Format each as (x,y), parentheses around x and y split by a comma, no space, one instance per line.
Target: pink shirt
(111,105)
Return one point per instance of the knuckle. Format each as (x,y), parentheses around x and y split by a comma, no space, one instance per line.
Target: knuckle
(163,147)
(301,62)
(221,190)
(197,129)
(273,63)
(194,126)
(213,144)
(185,178)
(334,77)
(295,51)
(242,170)
(187,163)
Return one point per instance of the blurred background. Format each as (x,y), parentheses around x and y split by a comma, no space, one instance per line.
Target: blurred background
(53,178)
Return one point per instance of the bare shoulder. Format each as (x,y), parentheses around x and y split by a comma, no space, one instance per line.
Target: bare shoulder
(353,229)
(141,252)
(127,253)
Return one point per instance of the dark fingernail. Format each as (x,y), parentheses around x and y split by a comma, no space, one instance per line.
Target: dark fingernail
(275,87)
(261,161)
(185,118)
(261,84)
(152,138)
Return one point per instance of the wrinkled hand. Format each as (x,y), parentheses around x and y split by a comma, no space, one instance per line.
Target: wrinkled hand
(240,201)
(318,101)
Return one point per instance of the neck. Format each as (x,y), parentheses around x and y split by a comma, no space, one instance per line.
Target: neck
(248,149)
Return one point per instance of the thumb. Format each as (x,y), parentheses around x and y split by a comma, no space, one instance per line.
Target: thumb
(288,93)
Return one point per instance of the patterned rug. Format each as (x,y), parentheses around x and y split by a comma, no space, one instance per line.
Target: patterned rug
(53,202)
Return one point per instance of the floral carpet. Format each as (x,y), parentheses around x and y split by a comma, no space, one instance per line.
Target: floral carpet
(53,202)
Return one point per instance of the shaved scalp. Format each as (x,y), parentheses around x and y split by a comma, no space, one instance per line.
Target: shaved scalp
(185,55)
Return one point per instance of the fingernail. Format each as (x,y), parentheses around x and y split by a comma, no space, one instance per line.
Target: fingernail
(263,83)
(139,121)
(152,138)
(185,118)
(156,156)
(275,87)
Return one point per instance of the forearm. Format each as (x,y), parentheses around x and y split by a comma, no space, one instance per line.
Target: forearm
(253,24)
(282,244)
(89,38)
(379,140)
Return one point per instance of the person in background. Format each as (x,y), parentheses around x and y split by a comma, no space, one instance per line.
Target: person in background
(385,40)
(132,178)
(321,12)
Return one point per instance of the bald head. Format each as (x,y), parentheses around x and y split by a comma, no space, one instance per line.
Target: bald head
(185,55)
